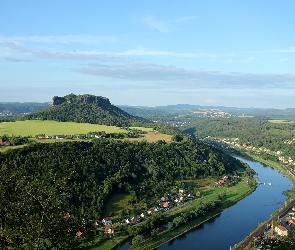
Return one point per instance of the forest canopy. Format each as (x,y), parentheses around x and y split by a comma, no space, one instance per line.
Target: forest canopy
(40,183)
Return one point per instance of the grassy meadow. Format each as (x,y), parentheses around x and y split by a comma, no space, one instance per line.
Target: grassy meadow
(35,127)
(31,128)
(281,121)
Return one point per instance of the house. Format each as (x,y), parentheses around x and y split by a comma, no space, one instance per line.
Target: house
(163,199)
(135,219)
(109,230)
(151,210)
(222,181)
(59,136)
(68,216)
(6,143)
(291,222)
(177,200)
(191,196)
(164,204)
(181,191)
(132,220)
(143,214)
(79,234)
(280,230)
(107,221)
(128,221)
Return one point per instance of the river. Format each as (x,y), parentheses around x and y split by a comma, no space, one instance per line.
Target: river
(235,223)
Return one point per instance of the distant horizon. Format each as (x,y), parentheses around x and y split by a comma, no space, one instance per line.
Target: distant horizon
(154,53)
(207,105)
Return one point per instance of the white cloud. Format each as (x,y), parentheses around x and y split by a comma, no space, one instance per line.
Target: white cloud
(156,24)
(15,60)
(78,55)
(164,26)
(146,52)
(83,39)
(288,50)
(189,79)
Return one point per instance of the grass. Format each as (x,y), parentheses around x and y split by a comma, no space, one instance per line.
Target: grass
(153,137)
(32,128)
(116,203)
(281,121)
(109,243)
(35,127)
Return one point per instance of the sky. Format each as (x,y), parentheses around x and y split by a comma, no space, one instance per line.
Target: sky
(234,53)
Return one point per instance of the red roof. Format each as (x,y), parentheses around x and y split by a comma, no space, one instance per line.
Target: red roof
(282,228)
(68,216)
(79,233)
(107,228)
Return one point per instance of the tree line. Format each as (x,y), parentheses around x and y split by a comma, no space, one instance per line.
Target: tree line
(252,131)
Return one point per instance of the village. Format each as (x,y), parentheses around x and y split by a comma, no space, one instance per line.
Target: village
(234,142)
(110,226)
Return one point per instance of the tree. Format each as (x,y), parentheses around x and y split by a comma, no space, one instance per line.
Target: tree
(137,241)
(284,243)
(198,194)
(222,196)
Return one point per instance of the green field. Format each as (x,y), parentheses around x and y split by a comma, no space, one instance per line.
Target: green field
(281,121)
(33,127)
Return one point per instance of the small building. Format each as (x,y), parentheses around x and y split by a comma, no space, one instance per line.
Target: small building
(181,191)
(107,221)
(191,196)
(79,234)
(164,204)
(151,210)
(282,231)
(143,214)
(222,181)
(109,230)
(291,222)
(68,216)
(128,220)
(59,137)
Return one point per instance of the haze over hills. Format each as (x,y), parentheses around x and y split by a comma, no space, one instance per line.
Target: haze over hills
(147,112)
(16,109)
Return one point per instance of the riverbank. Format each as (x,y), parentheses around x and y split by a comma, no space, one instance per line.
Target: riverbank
(170,235)
(247,242)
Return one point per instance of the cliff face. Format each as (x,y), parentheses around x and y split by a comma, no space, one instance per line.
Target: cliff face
(85,99)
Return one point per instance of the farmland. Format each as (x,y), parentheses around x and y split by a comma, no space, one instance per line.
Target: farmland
(35,127)
(32,128)
(281,121)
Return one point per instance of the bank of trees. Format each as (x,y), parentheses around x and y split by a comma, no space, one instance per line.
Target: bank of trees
(252,131)
(84,113)
(40,183)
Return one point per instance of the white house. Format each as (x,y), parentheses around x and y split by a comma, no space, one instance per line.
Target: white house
(280,230)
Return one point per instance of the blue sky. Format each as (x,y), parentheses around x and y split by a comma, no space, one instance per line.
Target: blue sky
(150,53)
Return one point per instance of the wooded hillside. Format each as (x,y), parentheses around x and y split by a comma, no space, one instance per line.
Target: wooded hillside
(42,182)
(85,109)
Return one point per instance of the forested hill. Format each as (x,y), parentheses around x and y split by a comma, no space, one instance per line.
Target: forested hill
(85,109)
(42,182)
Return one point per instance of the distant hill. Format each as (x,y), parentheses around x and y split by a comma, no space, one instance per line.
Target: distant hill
(17,109)
(84,109)
(152,112)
